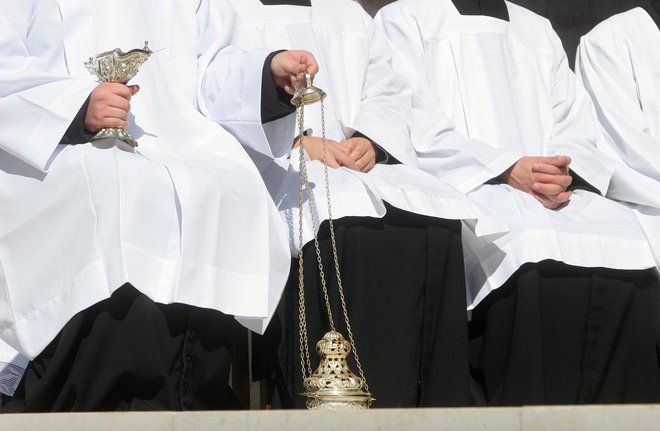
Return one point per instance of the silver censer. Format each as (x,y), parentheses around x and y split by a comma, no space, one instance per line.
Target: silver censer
(332,386)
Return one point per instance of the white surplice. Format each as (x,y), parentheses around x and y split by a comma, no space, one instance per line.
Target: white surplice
(619,65)
(363,96)
(507,84)
(185,218)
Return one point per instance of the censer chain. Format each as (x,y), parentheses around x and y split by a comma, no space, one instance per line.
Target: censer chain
(304,183)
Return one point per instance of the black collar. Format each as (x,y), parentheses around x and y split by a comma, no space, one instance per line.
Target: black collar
(653,9)
(291,2)
(493,8)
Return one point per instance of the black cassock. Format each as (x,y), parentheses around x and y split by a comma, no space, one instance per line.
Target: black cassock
(405,291)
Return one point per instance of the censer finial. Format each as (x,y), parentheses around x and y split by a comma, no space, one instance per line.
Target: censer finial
(334,386)
(308,94)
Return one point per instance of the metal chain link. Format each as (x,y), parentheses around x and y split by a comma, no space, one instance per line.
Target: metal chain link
(302,320)
(304,184)
(312,210)
(335,256)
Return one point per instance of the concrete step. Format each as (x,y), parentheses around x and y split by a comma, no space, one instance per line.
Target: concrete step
(601,418)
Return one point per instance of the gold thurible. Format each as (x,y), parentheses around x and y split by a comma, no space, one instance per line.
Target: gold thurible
(333,386)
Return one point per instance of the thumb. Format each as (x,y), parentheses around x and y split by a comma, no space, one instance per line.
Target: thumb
(134,89)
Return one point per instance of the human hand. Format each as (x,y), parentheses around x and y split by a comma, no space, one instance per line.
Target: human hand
(109,105)
(289,67)
(362,152)
(336,154)
(545,178)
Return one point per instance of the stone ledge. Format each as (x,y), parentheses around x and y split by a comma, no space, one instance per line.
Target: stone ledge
(602,418)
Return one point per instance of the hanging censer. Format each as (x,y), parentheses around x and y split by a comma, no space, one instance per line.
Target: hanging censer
(333,386)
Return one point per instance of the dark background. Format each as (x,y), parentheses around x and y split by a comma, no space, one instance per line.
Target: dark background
(570,18)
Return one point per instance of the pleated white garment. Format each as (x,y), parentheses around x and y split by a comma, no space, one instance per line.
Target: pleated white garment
(619,66)
(355,72)
(185,218)
(508,88)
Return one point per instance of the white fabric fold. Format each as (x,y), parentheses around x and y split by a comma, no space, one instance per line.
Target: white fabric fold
(184,218)
(619,66)
(508,88)
(364,96)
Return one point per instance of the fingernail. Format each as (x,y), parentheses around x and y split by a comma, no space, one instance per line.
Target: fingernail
(536,187)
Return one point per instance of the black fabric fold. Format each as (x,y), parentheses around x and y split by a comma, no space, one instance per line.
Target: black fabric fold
(76,133)
(129,353)
(559,334)
(290,2)
(275,102)
(382,156)
(403,278)
(653,9)
(580,183)
(492,8)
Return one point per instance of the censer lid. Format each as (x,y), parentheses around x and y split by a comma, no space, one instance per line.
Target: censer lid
(308,94)
(334,386)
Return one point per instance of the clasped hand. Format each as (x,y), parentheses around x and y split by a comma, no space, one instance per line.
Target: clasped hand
(354,153)
(545,178)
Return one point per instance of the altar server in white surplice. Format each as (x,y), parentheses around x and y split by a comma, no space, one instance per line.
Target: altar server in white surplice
(398,227)
(96,239)
(575,288)
(619,66)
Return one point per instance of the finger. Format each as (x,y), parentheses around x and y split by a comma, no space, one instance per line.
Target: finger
(119,103)
(331,161)
(113,123)
(121,90)
(561,200)
(564,197)
(561,180)
(555,201)
(346,161)
(547,189)
(358,152)
(366,163)
(333,146)
(111,112)
(134,89)
(547,203)
(546,168)
(289,65)
(315,154)
(306,61)
(311,66)
(559,161)
(296,80)
(346,147)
